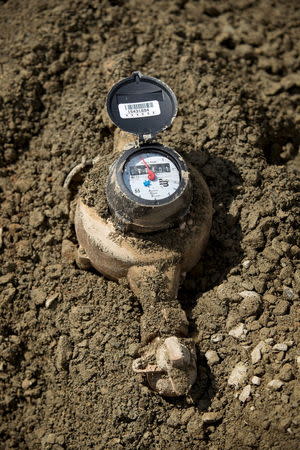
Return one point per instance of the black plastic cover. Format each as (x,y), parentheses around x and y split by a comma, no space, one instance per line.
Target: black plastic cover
(141,105)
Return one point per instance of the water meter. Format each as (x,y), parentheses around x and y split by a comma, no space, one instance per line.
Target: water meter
(149,186)
(148,220)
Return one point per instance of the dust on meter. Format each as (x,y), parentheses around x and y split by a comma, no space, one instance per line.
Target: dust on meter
(149,185)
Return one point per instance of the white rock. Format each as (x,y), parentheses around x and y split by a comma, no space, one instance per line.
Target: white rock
(246,264)
(216,338)
(255,355)
(245,394)
(257,351)
(249,294)
(238,331)
(238,375)
(275,384)
(298,361)
(255,380)
(280,347)
(212,357)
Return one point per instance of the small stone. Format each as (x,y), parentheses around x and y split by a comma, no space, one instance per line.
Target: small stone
(275,385)
(255,239)
(250,304)
(298,361)
(255,380)
(238,331)
(280,347)
(288,293)
(286,372)
(64,351)
(36,218)
(38,296)
(212,357)
(213,130)
(211,417)
(215,338)
(133,349)
(6,278)
(246,264)
(245,394)
(51,300)
(238,375)
(281,308)
(27,383)
(257,351)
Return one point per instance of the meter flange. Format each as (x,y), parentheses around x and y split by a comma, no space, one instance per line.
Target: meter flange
(149,188)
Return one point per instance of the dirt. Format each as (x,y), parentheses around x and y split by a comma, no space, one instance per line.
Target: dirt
(68,336)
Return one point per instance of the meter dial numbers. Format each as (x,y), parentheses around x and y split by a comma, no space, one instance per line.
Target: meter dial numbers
(151,176)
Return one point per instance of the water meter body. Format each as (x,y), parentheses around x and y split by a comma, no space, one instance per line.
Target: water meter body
(159,220)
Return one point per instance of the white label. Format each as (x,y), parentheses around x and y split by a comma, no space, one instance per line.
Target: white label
(139,109)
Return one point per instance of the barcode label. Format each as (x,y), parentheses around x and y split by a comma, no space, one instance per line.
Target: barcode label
(140,109)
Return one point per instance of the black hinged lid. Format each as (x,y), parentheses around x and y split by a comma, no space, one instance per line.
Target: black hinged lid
(141,105)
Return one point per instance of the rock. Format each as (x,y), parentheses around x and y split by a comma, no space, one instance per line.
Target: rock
(36,218)
(215,338)
(211,417)
(245,394)
(281,308)
(238,375)
(212,357)
(213,130)
(38,296)
(286,372)
(51,300)
(64,351)
(270,254)
(27,383)
(255,380)
(298,361)
(6,278)
(280,347)
(238,331)
(246,264)
(250,304)
(275,385)
(257,351)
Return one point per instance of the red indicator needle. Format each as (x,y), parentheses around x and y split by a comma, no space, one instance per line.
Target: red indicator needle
(151,175)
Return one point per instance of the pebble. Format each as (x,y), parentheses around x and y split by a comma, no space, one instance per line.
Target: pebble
(256,352)
(250,304)
(281,308)
(36,218)
(245,394)
(275,385)
(212,357)
(280,347)
(27,383)
(238,375)
(211,417)
(238,331)
(255,380)
(216,338)
(50,300)
(64,352)
(286,372)
(38,296)
(246,264)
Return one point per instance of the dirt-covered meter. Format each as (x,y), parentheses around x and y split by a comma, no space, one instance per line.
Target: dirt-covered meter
(149,186)
(143,214)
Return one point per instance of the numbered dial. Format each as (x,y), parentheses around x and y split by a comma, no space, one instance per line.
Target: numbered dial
(151,175)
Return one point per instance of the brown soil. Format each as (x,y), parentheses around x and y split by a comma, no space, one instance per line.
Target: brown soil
(68,337)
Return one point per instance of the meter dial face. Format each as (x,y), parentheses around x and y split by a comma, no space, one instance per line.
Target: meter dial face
(151,175)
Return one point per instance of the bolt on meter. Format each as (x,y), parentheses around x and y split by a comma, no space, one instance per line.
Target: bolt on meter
(149,186)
